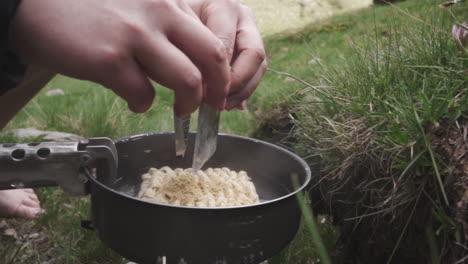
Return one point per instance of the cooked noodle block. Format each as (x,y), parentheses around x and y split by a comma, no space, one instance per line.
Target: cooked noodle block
(211,188)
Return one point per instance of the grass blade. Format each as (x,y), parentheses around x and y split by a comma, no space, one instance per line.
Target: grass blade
(311,224)
(434,163)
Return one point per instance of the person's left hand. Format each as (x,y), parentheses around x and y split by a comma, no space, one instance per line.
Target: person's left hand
(234,24)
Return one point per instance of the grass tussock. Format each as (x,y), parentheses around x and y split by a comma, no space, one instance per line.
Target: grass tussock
(384,129)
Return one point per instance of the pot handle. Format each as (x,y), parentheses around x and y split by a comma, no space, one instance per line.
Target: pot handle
(41,164)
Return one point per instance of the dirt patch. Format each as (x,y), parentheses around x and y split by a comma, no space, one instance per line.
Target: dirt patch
(24,241)
(452,145)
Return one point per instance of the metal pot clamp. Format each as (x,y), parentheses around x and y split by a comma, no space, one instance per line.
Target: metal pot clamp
(30,165)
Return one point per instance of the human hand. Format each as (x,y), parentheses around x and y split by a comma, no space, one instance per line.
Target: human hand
(121,43)
(235,26)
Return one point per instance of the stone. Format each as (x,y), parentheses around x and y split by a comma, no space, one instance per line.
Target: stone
(55,92)
(314,61)
(10,232)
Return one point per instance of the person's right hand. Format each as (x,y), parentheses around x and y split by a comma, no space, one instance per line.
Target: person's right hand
(118,43)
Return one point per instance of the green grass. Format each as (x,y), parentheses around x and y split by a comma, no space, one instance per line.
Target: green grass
(374,127)
(91,111)
(88,110)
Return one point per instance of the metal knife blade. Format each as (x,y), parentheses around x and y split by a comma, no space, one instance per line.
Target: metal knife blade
(207,135)
(181,129)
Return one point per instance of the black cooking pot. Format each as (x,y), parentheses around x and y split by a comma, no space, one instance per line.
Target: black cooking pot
(147,232)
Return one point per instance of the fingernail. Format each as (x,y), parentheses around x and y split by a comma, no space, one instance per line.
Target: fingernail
(243,105)
(235,104)
(223,105)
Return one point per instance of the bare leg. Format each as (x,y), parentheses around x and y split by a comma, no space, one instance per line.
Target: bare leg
(22,202)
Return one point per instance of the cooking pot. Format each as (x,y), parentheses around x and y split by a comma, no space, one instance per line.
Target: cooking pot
(147,232)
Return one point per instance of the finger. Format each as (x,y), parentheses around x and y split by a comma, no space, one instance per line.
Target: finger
(222,21)
(187,9)
(168,66)
(242,106)
(129,82)
(208,53)
(240,96)
(250,52)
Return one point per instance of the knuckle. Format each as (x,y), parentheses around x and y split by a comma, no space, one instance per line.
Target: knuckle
(232,3)
(264,66)
(247,10)
(220,53)
(112,60)
(160,5)
(135,29)
(259,54)
(228,46)
(193,81)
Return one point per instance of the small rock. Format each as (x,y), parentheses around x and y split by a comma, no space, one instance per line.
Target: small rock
(321,219)
(33,235)
(289,79)
(55,92)
(10,232)
(3,224)
(314,61)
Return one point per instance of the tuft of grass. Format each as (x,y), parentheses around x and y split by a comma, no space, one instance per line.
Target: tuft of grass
(372,124)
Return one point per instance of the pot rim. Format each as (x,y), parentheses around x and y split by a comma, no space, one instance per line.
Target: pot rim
(295,156)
